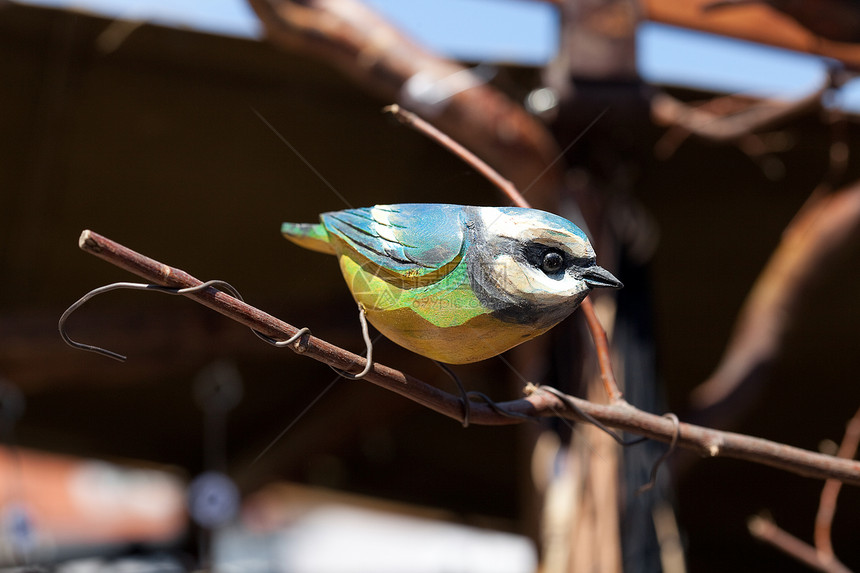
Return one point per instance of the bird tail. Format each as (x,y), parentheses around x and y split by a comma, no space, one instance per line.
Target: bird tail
(308,235)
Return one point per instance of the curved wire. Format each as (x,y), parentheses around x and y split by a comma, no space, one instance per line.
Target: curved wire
(222,285)
(494,406)
(464,396)
(655,468)
(281,343)
(653,481)
(365,333)
(591,419)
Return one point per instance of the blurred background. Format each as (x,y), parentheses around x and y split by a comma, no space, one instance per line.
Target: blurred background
(686,136)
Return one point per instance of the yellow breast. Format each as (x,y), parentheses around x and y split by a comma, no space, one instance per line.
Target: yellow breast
(480,338)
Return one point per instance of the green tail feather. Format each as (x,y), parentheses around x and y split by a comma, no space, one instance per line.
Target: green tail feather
(308,235)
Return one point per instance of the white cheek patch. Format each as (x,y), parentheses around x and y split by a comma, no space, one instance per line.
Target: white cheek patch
(509,276)
(524,281)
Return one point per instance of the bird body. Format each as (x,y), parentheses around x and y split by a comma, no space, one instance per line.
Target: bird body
(458,283)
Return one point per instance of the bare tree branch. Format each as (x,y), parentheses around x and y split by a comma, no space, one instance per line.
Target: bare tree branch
(821,556)
(538,403)
(354,39)
(729,118)
(819,232)
(766,530)
(830,491)
(416,122)
(762,22)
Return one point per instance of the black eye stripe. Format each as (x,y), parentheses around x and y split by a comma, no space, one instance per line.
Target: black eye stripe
(550,260)
(536,255)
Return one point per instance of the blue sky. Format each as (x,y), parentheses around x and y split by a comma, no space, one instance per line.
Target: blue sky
(525,32)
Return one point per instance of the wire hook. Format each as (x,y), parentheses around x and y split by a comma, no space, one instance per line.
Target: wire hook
(368,344)
(589,418)
(464,396)
(282,343)
(654,469)
(494,406)
(677,434)
(215,283)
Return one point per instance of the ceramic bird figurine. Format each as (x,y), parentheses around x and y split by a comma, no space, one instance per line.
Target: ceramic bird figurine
(458,284)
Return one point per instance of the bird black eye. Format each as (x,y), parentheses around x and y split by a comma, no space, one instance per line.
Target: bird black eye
(552,262)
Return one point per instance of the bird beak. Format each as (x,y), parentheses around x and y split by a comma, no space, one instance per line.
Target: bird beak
(595,276)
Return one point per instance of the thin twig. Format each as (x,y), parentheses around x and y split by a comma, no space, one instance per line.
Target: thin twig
(601,345)
(619,415)
(765,529)
(830,491)
(741,118)
(810,244)
(350,36)
(416,122)
(821,556)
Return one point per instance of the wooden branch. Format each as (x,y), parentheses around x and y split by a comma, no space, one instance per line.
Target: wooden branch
(820,556)
(809,245)
(837,20)
(351,37)
(414,121)
(759,22)
(601,345)
(764,529)
(729,118)
(538,403)
(830,491)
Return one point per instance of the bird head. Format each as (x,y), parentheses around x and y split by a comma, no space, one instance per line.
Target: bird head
(536,265)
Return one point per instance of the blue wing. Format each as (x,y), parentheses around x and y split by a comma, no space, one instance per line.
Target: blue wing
(416,238)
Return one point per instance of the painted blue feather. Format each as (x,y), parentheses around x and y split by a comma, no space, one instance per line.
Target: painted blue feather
(408,237)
